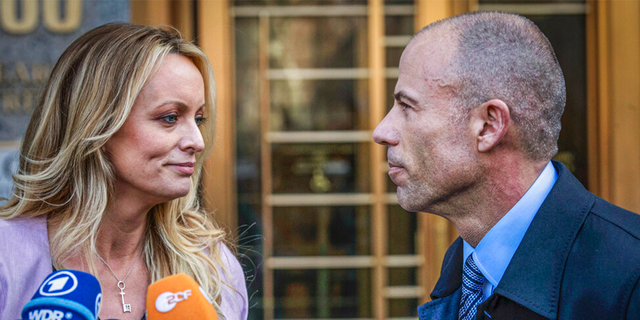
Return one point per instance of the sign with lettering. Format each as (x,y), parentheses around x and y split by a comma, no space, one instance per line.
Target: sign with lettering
(8,166)
(33,34)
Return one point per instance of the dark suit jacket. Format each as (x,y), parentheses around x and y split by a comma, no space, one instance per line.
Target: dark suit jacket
(580,259)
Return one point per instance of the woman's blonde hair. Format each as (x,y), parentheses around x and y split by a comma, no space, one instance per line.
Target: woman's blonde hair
(66,175)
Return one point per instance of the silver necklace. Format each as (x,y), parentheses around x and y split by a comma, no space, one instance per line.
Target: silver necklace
(126,307)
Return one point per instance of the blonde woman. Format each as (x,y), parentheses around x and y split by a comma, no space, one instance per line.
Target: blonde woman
(109,172)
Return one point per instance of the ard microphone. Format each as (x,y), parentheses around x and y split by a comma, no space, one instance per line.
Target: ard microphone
(178,297)
(65,295)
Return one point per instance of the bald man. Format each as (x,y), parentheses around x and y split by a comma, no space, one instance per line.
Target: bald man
(470,137)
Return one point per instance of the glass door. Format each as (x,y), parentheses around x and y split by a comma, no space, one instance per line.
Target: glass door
(329,241)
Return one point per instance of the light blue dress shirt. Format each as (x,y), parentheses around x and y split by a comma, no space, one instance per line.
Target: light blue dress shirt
(496,249)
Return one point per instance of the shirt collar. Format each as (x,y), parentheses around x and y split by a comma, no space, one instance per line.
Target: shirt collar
(496,249)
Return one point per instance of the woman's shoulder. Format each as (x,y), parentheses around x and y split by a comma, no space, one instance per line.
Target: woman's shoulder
(24,241)
(235,302)
(20,232)
(24,262)
(229,259)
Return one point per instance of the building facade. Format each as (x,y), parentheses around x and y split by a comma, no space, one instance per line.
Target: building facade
(301,84)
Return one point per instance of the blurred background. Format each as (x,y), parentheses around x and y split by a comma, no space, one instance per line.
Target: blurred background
(295,177)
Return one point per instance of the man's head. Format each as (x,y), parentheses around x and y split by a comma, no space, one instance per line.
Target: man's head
(473,90)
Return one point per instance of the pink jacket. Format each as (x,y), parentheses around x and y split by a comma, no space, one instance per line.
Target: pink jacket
(25,261)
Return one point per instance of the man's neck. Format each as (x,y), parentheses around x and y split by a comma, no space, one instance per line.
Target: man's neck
(504,186)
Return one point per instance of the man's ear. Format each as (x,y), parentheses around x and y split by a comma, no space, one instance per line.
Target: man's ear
(490,123)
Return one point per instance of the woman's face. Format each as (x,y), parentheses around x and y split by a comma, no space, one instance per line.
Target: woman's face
(154,152)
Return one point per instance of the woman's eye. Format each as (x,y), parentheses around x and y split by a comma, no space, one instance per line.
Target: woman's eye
(200,120)
(172,118)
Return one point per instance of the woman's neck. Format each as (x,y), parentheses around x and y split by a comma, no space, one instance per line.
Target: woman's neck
(120,243)
(123,230)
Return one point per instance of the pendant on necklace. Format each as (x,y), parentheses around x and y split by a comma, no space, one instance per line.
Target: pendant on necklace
(125,306)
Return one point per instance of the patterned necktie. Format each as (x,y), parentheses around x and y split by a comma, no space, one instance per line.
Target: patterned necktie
(472,280)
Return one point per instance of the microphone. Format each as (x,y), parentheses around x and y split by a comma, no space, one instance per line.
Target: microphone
(65,295)
(178,297)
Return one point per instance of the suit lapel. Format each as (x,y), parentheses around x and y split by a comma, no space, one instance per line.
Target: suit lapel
(441,309)
(534,275)
(446,294)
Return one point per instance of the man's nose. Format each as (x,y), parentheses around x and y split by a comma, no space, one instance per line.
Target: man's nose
(385,133)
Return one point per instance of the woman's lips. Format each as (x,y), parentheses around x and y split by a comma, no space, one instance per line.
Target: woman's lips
(186,167)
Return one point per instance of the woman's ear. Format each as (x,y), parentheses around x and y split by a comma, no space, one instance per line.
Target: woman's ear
(490,123)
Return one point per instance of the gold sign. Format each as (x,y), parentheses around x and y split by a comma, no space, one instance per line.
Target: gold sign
(53,20)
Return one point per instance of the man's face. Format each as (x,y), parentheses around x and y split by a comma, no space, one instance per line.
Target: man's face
(432,158)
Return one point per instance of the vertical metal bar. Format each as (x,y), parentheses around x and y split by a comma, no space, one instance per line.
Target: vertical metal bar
(182,17)
(624,33)
(604,96)
(363,176)
(219,192)
(593,130)
(324,304)
(377,110)
(428,11)
(265,159)
(151,12)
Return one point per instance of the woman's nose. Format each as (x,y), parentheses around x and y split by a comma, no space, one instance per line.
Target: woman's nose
(192,138)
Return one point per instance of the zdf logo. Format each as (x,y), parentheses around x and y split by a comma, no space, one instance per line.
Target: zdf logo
(58,284)
(166,301)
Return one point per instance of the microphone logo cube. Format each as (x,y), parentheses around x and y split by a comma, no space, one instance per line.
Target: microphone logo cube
(166,301)
(65,295)
(177,297)
(59,284)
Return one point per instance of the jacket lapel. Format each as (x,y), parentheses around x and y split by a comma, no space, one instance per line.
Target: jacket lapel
(441,309)
(446,294)
(534,275)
